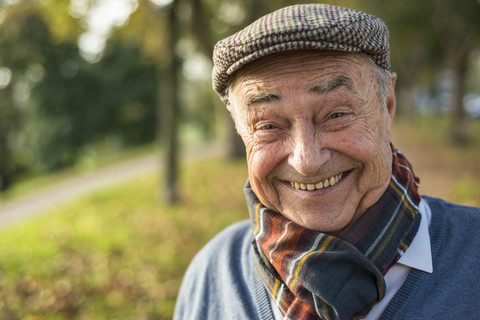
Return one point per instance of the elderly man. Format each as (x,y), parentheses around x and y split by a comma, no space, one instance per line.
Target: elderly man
(337,228)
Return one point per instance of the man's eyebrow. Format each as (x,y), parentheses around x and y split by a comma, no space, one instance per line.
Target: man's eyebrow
(337,82)
(332,85)
(265,98)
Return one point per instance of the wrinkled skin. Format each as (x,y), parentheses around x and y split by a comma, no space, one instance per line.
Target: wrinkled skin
(306,117)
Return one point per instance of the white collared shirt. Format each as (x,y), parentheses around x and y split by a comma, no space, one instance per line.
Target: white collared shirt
(418,256)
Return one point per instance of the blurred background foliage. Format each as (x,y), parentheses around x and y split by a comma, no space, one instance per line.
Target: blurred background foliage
(82,80)
(82,75)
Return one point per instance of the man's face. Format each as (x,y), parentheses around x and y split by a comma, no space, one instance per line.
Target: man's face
(317,135)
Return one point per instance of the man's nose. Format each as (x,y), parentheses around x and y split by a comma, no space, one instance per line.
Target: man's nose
(307,155)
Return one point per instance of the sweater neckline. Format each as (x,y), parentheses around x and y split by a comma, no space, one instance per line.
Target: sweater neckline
(416,277)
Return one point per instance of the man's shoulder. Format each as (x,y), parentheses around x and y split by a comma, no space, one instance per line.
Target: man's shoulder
(450,292)
(229,247)
(452,211)
(454,235)
(234,232)
(232,240)
(219,280)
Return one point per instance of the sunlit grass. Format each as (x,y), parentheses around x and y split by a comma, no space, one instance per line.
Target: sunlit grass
(118,254)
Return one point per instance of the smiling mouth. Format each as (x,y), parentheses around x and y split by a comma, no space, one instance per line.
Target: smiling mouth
(317,186)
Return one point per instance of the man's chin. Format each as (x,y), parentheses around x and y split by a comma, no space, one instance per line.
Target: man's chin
(328,221)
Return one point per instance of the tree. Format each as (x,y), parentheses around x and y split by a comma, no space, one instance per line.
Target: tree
(206,38)
(78,104)
(26,36)
(458,30)
(172,107)
(65,103)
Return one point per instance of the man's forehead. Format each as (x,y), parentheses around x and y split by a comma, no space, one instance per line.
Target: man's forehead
(256,93)
(323,72)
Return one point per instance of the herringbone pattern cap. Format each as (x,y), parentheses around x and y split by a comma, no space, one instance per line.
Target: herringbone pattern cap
(310,26)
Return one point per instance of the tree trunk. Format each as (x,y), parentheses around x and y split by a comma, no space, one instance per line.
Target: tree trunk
(8,123)
(456,27)
(258,9)
(5,168)
(460,132)
(198,28)
(171,111)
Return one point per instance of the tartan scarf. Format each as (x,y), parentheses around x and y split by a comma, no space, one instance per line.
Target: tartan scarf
(312,275)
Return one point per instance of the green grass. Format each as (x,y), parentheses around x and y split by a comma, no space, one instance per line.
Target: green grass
(118,254)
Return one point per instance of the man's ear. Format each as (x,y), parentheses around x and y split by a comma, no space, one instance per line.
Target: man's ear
(391,101)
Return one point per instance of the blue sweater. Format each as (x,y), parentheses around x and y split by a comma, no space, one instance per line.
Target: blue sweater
(222,281)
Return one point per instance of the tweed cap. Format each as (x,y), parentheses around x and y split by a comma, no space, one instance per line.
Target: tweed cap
(309,26)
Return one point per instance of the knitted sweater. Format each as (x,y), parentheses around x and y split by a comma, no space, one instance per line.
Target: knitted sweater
(222,281)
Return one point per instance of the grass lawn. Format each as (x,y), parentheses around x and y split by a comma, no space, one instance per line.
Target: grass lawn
(118,254)
(121,254)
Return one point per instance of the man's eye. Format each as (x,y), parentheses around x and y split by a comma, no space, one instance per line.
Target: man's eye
(269,127)
(336,115)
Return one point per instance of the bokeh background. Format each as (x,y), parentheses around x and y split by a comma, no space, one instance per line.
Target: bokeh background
(118,162)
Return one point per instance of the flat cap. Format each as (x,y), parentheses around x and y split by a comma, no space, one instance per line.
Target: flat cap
(308,26)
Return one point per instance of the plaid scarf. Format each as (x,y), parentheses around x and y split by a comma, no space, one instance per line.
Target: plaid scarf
(312,275)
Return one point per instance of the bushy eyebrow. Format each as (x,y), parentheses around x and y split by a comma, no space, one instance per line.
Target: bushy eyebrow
(266,98)
(339,81)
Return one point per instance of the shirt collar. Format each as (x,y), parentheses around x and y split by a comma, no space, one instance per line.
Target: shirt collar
(419,253)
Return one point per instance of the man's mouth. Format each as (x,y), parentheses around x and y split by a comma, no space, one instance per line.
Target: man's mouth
(319,185)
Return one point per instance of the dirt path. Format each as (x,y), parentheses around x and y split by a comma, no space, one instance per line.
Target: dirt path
(81,185)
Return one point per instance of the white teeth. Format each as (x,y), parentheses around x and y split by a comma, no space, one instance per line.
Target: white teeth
(332,181)
(323,184)
(326,183)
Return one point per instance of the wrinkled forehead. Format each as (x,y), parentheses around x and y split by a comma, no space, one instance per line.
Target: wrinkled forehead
(314,66)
